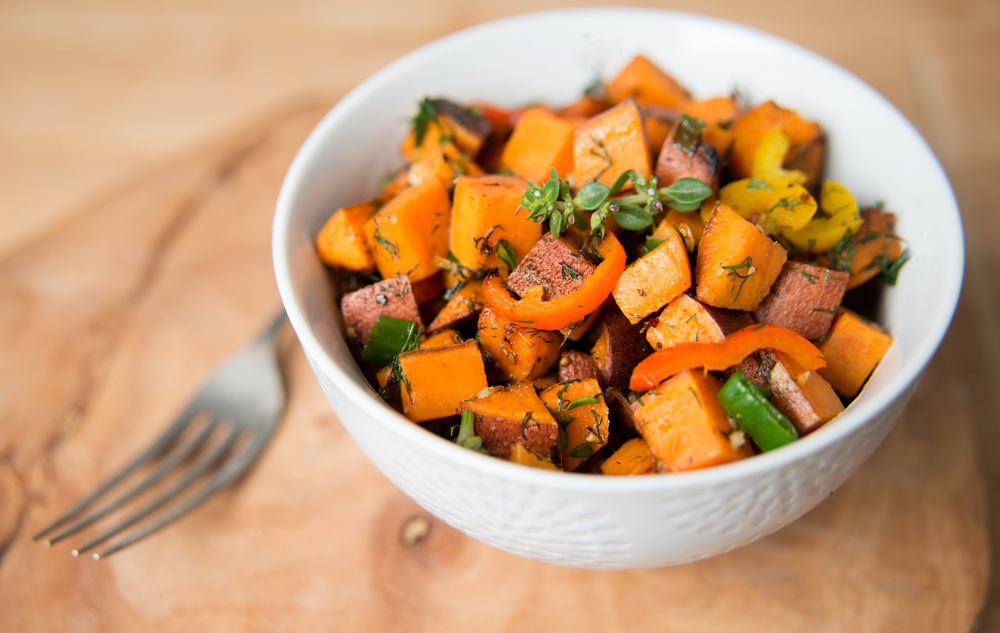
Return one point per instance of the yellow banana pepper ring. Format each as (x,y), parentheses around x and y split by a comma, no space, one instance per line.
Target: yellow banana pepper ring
(774,203)
(823,233)
(769,157)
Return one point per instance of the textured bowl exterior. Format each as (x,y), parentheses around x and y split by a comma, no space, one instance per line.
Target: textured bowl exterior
(612,522)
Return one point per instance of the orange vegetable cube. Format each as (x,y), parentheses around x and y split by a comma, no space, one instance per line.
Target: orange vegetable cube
(632,458)
(441,338)
(610,143)
(685,320)
(805,398)
(434,381)
(485,211)
(517,353)
(647,84)
(714,112)
(410,231)
(721,139)
(672,222)
(852,350)
(520,455)
(654,279)
(342,242)
(464,304)
(540,140)
(588,424)
(684,424)
(736,262)
(514,415)
(749,130)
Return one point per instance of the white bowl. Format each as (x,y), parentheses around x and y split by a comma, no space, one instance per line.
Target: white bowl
(611,522)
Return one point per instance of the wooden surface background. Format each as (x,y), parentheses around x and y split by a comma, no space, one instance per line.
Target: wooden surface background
(141,148)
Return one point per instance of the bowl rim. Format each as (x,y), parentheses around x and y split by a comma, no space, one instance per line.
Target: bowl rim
(854,418)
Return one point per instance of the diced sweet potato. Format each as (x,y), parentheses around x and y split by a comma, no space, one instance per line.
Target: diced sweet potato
(684,424)
(687,320)
(642,80)
(435,381)
(587,429)
(591,103)
(545,381)
(654,279)
(803,299)
(552,264)
(717,111)
(674,220)
(441,338)
(463,128)
(852,350)
(520,455)
(632,458)
(676,162)
(872,246)
(736,262)
(515,415)
(389,297)
(342,243)
(610,143)
(750,129)
(463,305)
(658,122)
(410,231)
(516,353)
(617,349)
(485,211)
(541,140)
(576,365)
(721,139)
(803,396)
(429,288)
(436,165)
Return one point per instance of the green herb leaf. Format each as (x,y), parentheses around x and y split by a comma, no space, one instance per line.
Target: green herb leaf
(551,187)
(632,217)
(582,451)
(891,273)
(624,177)
(591,196)
(426,114)
(686,191)
(568,272)
(556,224)
(579,402)
(506,253)
(756,184)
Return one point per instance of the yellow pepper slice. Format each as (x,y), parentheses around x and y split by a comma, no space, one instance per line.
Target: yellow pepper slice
(769,156)
(774,203)
(823,233)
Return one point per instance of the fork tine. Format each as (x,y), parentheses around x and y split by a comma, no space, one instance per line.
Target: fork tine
(232,470)
(168,464)
(168,437)
(194,472)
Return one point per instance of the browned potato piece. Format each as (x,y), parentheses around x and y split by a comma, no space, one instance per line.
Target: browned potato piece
(516,353)
(515,415)
(552,264)
(576,365)
(803,299)
(803,396)
(686,320)
(617,350)
(389,297)
(676,162)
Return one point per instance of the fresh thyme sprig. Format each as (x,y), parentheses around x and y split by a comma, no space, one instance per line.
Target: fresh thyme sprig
(555,202)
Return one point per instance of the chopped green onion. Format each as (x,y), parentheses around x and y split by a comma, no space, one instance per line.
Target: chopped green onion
(467,437)
(389,337)
(746,403)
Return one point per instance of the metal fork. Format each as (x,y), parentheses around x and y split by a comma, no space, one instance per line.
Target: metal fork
(245,397)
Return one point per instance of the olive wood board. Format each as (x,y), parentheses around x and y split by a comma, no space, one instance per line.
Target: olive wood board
(111,320)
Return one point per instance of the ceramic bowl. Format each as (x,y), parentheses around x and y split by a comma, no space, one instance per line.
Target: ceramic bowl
(606,522)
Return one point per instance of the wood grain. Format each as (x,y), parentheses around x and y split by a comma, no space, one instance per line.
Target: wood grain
(110,320)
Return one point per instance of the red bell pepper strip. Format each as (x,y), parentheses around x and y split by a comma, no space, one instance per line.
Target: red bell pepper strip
(564,310)
(663,364)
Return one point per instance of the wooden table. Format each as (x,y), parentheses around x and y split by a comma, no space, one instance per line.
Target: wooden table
(132,137)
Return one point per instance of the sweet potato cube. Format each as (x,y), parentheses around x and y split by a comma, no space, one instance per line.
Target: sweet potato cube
(736,262)
(410,231)
(541,140)
(805,398)
(429,288)
(485,211)
(642,80)
(684,424)
(577,365)
(610,143)
(342,243)
(675,162)
(515,415)
(617,349)
(463,305)
(464,128)
(673,222)
(874,244)
(516,353)
(434,381)
(854,347)
(716,111)
(658,122)
(654,279)
(552,264)
(720,139)
(587,429)
(441,338)
(686,320)
(520,455)
(803,299)
(749,130)
(389,297)
(632,458)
